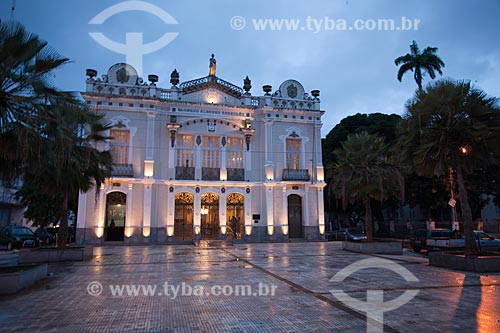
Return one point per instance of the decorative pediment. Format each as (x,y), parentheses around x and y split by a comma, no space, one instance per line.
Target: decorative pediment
(211,82)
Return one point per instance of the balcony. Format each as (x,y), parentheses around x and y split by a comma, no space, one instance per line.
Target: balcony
(210,173)
(122,170)
(184,173)
(236,174)
(296,174)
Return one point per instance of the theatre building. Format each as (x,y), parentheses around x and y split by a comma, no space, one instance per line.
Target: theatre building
(204,160)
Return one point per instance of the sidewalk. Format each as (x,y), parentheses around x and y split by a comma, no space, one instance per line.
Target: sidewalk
(447,301)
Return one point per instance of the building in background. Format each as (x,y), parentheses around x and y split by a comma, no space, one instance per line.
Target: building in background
(205,160)
(11,210)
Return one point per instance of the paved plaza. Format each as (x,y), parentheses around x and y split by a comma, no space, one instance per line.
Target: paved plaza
(289,288)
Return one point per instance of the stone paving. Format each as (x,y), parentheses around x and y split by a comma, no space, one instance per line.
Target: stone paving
(447,301)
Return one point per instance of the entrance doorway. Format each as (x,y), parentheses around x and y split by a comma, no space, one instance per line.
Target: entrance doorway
(114,225)
(210,228)
(295,216)
(235,214)
(183,221)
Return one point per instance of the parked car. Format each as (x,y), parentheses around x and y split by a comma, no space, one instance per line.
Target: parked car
(55,231)
(436,240)
(445,239)
(486,242)
(45,235)
(351,234)
(355,235)
(17,237)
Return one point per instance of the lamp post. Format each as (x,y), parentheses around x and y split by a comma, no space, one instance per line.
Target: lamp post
(452,203)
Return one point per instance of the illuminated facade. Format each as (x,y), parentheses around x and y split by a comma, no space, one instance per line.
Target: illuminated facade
(205,160)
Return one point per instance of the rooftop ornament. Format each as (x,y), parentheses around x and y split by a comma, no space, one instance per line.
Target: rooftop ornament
(153,78)
(315,93)
(267,89)
(174,78)
(247,85)
(91,73)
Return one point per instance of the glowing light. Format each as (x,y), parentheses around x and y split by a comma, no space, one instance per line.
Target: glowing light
(212,98)
(269,172)
(320,174)
(223,174)
(99,232)
(284,229)
(170,231)
(248,230)
(204,211)
(223,229)
(322,229)
(197,230)
(146,231)
(270,230)
(148,169)
(129,232)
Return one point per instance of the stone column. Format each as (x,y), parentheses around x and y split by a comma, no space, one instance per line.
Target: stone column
(170,223)
(129,225)
(321,212)
(284,212)
(146,216)
(81,218)
(197,217)
(269,207)
(222,215)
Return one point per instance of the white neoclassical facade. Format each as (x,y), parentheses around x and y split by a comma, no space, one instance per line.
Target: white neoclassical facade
(205,160)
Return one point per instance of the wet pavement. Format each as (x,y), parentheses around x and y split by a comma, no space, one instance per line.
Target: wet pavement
(249,288)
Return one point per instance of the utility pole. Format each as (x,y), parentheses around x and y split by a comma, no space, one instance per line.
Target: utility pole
(452,203)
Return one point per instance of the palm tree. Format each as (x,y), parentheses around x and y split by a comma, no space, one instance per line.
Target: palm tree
(25,66)
(69,162)
(46,136)
(363,173)
(419,63)
(452,125)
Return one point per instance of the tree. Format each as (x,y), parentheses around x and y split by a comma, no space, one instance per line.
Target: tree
(419,63)
(362,173)
(383,125)
(47,136)
(452,125)
(25,66)
(69,163)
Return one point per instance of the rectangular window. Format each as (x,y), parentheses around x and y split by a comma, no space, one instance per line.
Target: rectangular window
(211,152)
(185,150)
(293,154)
(119,146)
(235,153)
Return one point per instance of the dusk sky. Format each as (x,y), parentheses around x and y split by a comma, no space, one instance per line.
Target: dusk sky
(353,69)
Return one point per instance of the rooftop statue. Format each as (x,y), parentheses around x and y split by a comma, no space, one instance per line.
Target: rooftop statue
(213,65)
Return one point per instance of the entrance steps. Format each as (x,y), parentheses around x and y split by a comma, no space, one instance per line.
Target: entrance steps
(213,243)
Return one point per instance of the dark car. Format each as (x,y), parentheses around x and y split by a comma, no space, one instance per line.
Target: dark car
(351,234)
(355,235)
(55,231)
(17,237)
(486,242)
(45,235)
